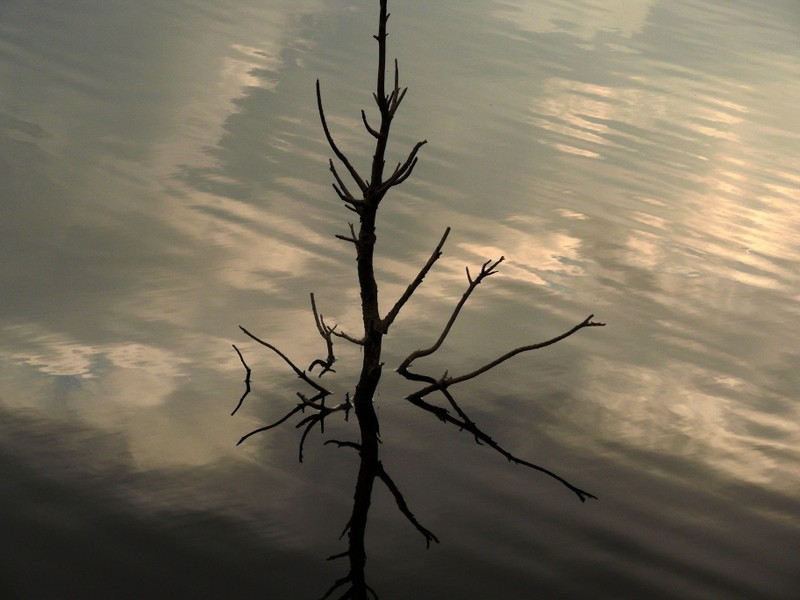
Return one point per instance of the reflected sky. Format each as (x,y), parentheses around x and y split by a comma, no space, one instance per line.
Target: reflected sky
(164,180)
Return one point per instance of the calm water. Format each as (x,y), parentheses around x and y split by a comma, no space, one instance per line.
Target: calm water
(163,179)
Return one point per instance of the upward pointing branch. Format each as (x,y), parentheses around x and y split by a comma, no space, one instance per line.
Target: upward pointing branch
(390,317)
(339,154)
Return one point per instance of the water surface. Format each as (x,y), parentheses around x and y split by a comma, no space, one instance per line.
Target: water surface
(164,179)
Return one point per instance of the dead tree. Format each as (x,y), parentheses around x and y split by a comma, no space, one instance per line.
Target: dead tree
(312,408)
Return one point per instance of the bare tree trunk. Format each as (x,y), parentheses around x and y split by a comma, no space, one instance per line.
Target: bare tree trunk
(364,407)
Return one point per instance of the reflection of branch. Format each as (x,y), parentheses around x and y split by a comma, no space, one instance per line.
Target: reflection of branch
(297,408)
(462,421)
(381,473)
(246,380)
(316,402)
(480,436)
(348,594)
(390,317)
(309,421)
(336,585)
(401,504)
(301,374)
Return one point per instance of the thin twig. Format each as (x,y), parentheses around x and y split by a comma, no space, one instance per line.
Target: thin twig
(353,237)
(341,444)
(325,333)
(246,380)
(402,171)
(339,154)
(338,556)
(371,131)
(349,338)
(309,422)
(390,317)
(342,191)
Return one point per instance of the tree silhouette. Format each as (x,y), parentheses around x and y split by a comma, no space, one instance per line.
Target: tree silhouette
(313,409)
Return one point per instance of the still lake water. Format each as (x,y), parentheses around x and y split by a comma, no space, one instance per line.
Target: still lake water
(163,179)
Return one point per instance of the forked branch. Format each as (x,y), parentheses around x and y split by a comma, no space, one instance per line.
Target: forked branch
(487,269)
(325,332)
(403,170)
(341,190)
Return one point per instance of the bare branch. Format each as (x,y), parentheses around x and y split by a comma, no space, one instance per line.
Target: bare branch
(406,172)
(301,374)
(338,556)
(309,422)
(343,196)
(346,239)
(339,154)
(398,100)
(380,90)
(402,171)
(326,410)
(371,131)
(325,332)
(341,190)
(346,527)
(587,322)
(296,409)
(344,336)
(401,504)
(487,269)
(396,97)
(341,444)
(246,380)
(457,408)
(352,239)
(336,585)
(390,317)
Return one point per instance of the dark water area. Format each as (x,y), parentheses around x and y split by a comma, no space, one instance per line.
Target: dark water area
(163,179)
